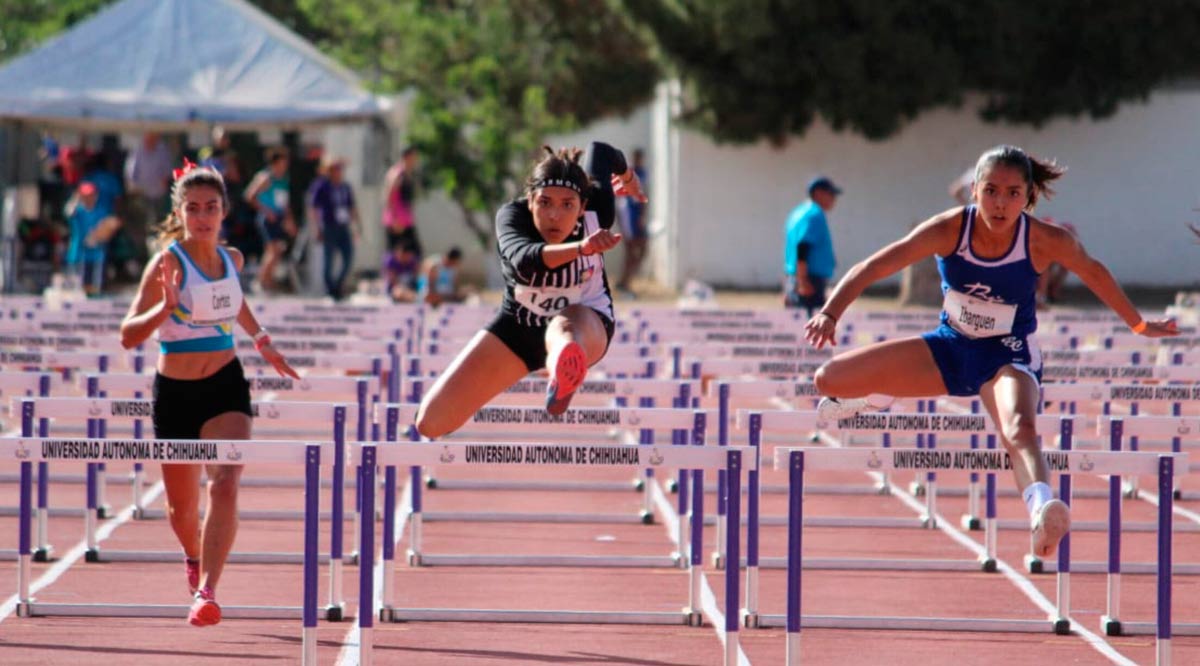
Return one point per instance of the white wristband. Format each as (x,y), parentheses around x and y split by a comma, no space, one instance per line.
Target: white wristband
(262,333)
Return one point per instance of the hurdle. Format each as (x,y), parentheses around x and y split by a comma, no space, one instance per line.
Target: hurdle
(25,451)
(618,391)
(312,412)
(583,419)
(799,460)
(469,454)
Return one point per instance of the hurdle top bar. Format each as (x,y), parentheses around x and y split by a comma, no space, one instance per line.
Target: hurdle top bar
(306,384)
(110,408)
(187,451)
(971,460)
(542,455)
(891,422)
(576,418)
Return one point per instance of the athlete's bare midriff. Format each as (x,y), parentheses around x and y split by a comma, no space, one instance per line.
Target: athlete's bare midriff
(193,365)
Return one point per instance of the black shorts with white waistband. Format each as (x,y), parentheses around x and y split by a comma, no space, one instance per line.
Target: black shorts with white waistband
(182,406)
(529,342)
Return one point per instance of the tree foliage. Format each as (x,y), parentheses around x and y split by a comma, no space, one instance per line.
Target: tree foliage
(491,78)
(757,69)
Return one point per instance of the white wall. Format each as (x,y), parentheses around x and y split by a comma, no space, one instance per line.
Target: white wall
(1130,190)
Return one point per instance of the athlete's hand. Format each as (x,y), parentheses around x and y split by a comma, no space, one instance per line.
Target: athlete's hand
(168,281)
(1160,328)
(631,188)
(278,362)
(602,240)
(821,329)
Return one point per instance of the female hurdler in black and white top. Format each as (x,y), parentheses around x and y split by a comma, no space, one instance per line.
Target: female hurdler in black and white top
(557,311)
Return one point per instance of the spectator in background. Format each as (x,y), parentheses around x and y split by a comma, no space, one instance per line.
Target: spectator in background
(808,257)
(400,267)
(1050,282)
(439,282)
(961,188)
(147,180)
(400,196)
(636,237)
(269,193)
(334,217)
(91,228)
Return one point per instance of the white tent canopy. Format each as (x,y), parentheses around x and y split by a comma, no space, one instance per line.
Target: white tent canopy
(172,63)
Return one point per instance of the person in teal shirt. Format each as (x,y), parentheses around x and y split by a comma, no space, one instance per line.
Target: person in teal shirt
(808,257)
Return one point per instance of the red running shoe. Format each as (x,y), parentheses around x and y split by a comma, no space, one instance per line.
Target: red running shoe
(567,371)
(193,574)
(205,610)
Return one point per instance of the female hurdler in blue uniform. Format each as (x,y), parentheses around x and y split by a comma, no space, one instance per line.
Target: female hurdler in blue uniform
(989,253)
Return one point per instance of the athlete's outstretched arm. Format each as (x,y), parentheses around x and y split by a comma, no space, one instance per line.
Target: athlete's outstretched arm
(936,235)
(1063,247)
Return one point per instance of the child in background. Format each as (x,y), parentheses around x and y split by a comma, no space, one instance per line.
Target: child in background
(400,267)
(91,227)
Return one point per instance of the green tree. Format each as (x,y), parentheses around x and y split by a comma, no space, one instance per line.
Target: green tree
(27,23)
(756,69)
(490,79)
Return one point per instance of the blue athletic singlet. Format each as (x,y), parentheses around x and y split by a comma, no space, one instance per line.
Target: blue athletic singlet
(989,312)
(203,320)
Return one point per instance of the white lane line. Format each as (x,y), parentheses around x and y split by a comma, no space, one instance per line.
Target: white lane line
(60,567)
(1152,498)
(1016,578)
(350,642)
(708,601)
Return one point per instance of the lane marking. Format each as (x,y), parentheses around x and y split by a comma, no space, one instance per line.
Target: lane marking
(348,656)
(708,601)
(75,554)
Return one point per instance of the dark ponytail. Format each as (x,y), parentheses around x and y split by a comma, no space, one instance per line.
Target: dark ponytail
(1038,173)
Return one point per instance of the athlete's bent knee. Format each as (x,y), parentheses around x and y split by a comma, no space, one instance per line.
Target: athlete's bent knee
(1020,431)
(823,382)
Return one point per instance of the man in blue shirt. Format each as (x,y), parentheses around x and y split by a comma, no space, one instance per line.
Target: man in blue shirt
(808,259)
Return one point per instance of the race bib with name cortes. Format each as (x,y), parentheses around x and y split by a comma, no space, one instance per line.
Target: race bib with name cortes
(977,318)
(547,301)
(215,302)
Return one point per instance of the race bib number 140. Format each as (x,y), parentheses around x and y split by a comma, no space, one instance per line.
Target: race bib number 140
(547,301)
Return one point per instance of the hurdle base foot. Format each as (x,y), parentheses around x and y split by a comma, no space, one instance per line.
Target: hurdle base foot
(672,486)
(1110,625)
(718,561)
(638,485)
(814,438)
(917,489)
(104,512)
(42,554)
(335,613)
(971,523)
(24,609)
(693,617)
(750,620)
(988,565)
(1177,494)
(929,522)
(1062,626)
(883,488)
(1129,492)
(414,559)
(386,615)
(350,558)
(139,513)
(647,517)
(680,559)
(1034,565)
(92,555)
(431,482)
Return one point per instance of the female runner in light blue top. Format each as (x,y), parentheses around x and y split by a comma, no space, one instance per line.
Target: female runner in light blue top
(990,254)
(191,297)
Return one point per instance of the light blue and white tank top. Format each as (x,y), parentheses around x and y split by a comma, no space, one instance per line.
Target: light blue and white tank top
(203,320)
(984,298)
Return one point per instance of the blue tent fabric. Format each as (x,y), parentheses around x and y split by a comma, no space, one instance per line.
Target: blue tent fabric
(170,62)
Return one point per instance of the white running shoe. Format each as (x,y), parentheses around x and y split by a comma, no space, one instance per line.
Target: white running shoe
(833,409)
(1052,521)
